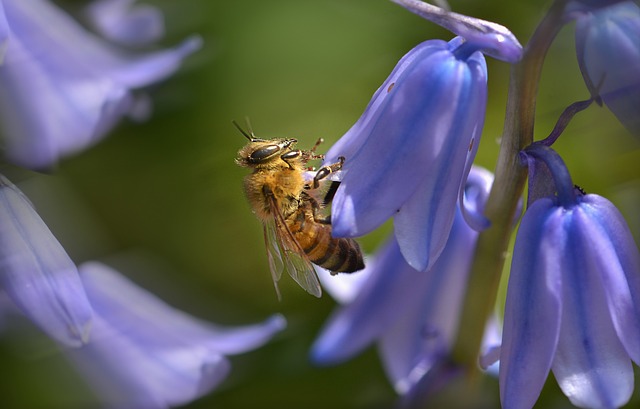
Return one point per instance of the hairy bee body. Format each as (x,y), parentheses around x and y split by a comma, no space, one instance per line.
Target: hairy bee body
(286,204)
(284,184)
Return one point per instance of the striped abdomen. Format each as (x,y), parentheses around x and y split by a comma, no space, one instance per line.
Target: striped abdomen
(338,255)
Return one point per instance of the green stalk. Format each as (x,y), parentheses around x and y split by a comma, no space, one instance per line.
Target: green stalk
(508,186)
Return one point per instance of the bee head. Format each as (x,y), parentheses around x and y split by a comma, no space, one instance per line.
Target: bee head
(260,151)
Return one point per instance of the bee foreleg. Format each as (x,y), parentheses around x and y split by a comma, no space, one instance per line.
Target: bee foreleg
(325,171)
(311,153)
(318,142)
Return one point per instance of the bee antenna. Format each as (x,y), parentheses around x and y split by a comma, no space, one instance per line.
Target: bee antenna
(249,136)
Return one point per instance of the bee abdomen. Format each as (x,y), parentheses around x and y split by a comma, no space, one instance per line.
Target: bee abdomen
(338,255)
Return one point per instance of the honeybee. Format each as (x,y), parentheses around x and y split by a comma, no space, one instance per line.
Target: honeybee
(296,232)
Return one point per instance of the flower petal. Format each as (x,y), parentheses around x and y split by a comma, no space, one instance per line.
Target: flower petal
(617,259)
(4,33)
(423,223)
(608,50)
(414,127)
(83,84)
(147,354)
(128,306)
(350,329)
(394,128)
(591,365)
(120,21)
(474,196)
(344,287)
(36,272)
(533,307)
(126,372)
(428,316)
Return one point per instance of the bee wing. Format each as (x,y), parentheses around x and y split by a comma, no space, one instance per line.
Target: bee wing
(292,256)
(274,254)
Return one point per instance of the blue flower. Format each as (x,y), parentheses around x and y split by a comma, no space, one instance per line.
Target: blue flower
(145,354)
(36,272)
(573,300)
(412,315)
(61,88)
(608,49)
(410,151)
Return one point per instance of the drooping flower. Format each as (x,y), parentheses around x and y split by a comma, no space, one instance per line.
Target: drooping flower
(122,22)
(412,148)
(36,272)
(608,49)
(412,315)
(144,353)
(573,299)
(62,88)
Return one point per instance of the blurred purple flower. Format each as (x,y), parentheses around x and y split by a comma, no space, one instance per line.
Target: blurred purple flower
(36,272)
(573,300)
(608,49)
(61,88)
(145,354)
(122,22)
(412,315)
(412,148)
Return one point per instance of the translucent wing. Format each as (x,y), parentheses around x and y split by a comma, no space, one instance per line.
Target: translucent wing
(285,253)
(274,255)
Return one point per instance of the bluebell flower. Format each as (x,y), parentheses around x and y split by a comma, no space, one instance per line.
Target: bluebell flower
(409,153)
(608,49)
(37,274)
(573,300)
(62,88)
(123,22)
(412,315)
(144,353)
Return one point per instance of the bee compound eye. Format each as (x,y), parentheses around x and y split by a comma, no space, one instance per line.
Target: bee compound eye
(263,153)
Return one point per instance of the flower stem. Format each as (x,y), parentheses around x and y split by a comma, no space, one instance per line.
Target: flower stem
(561,177)
(507,189)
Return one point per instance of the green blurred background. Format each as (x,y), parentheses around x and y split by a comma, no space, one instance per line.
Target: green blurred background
(162,200)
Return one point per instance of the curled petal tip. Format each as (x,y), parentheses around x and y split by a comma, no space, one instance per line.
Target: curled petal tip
(277,322)
(191,45)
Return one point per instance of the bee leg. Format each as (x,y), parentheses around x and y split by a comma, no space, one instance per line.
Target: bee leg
(311,153)
(325,171)
(318,142)
(331,192)
(317,217)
